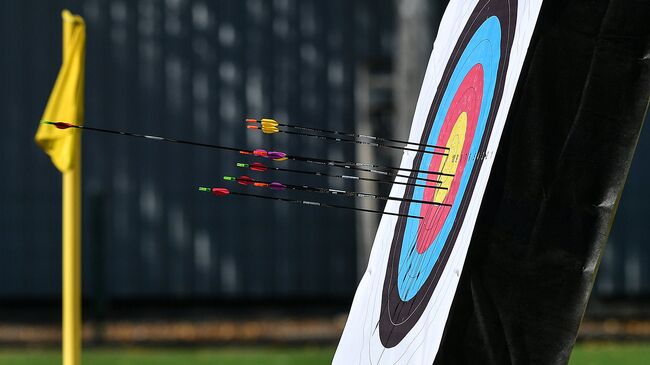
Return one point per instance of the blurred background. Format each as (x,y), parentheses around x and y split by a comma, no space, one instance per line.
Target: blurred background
(164,265)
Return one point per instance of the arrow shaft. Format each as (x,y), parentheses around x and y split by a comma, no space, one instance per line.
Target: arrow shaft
(362,166)
(366,143)
(357,135)
(368,195)
(351,177)
(156,138)
(323,205)
(367,167)
(354,194)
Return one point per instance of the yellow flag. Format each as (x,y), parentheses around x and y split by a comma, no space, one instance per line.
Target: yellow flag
(66,101)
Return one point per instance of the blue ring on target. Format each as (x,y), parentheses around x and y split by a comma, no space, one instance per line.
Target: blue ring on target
(484,49)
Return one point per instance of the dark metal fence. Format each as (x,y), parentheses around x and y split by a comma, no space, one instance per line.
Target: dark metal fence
(193,70)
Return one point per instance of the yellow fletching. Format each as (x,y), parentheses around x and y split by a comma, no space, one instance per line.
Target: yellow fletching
(269,123)
(270,130)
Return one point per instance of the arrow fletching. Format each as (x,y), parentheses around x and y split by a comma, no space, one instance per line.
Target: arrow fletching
(277,186)
(276,155)
(264,129)
(244,180)
(220,191)
(258,166)
(60,125)
(260,153)
(267,123)
(215,191)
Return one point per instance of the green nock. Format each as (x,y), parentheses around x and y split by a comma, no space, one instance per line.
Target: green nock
(239,164)
(229,178)
(203,189)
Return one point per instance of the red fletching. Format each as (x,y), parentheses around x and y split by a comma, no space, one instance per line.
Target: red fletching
(220,191)
(260,153)
(256,166)
(245,180)
(62,125)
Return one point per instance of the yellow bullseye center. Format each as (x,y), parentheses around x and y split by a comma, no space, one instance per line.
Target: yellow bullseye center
(449,163)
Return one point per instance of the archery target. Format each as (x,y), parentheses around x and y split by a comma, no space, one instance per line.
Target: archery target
(402,303)
(460,118)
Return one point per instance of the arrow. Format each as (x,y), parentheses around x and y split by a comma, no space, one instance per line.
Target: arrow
(268,123)
(260,167)
(247,181)
(386,173)
(274,129)
(66,125)
(273,155)
(357,166)
(221,192)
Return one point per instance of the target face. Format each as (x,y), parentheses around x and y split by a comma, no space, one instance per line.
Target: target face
(401,307)
(460,119)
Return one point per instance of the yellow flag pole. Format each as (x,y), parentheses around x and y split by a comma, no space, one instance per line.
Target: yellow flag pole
(72,262)
(66,103)
(71,248)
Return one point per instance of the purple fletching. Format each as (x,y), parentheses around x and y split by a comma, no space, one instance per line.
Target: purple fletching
(277,186)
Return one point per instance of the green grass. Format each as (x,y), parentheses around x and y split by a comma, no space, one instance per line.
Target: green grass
(232,356)
(611,354)
(584,354)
